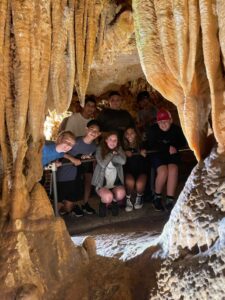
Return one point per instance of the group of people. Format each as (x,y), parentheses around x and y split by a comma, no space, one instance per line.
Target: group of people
(111,154)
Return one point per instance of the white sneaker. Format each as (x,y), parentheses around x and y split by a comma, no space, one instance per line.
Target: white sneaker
(129,206)
(138,202)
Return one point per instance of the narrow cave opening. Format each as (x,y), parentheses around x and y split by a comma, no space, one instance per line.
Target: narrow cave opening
(131,232)
(48,49)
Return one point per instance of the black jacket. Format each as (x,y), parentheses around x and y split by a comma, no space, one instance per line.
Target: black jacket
(160,140)
(115,120)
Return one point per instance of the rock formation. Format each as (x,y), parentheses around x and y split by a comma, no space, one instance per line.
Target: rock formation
(182,54)
(46,48)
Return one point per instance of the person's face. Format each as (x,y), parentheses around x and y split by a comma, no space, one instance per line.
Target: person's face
(93,132)
(130,135)
(77,107)
(144,103)
(164,125)
(89,109)
(112,141)
(115,102)
(65,145)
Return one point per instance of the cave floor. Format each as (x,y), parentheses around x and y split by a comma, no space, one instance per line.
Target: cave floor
(123,237)
(141,219)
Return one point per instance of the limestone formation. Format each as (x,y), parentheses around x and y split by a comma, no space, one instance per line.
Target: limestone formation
(182,55)
(180,62)
(49,47)
(192,242)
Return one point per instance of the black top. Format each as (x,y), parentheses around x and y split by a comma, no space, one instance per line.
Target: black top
(160,140)
(136,164)
(115,120)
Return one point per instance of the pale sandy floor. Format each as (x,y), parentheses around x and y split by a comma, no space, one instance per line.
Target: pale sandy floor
(125,240)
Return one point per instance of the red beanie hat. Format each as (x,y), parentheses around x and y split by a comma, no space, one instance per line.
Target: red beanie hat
(163,115)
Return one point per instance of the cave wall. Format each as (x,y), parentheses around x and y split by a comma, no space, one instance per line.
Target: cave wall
(49,47)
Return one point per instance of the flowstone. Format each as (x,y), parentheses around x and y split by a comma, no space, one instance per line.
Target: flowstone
(193,240)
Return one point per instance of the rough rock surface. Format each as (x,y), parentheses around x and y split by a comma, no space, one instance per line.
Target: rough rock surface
(192,242)
(48,47)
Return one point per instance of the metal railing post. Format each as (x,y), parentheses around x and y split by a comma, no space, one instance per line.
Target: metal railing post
(55,192)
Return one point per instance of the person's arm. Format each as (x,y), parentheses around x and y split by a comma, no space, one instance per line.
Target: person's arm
(72,159)
(103,162)
(119,157)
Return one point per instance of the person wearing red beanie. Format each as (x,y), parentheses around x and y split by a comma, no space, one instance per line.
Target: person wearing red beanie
(166,139)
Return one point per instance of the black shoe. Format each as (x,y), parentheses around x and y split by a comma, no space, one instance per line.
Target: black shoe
(77,211)
(115,209)
(102,210)
(88,209)
(157,203)
(170,201)
(62,212)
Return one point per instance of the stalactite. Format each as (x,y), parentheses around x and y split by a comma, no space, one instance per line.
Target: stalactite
(40,44)
(87,14)
(169,44)
(30,56)
(37,47)
(4,148)
(101,33)
(22,16)
(62,55)
(212,47)
(36,60)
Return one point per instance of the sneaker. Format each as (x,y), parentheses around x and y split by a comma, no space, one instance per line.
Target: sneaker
(138,202)
(88,209)
(157,203)
(170,201)
(62,212)
(102,209)
(129,205)
(115,208)
(77,211)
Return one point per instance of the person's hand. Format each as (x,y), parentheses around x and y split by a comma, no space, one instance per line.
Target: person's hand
(86,156)
(114,152)
(143,152)
(76,162)
(58,163)
(172,150)
(128,153)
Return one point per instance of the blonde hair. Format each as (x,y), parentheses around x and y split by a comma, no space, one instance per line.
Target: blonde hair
(65,135)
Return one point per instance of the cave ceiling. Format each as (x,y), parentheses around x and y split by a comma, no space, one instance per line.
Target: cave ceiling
(116,59)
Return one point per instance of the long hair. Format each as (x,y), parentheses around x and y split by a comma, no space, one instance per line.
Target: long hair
(137,141)
(104,147)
